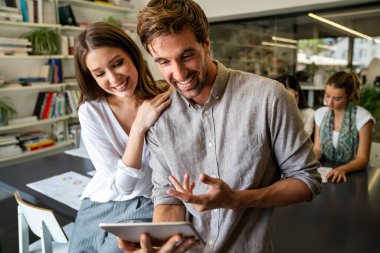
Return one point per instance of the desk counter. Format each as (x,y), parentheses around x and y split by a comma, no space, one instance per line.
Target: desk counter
(15,177)
(345,218)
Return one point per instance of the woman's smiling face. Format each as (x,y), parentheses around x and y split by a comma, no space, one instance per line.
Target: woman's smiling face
(113,70)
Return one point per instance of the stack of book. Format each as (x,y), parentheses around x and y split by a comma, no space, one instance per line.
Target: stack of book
(72,98)
(14,46)
(9,11)
(48,73)
(35,140)
(9,146)
(38,11)
(50,105)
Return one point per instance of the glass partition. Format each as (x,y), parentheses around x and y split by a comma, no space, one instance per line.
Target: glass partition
(310,45)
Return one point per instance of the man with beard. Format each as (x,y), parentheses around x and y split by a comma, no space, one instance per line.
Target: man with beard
(232,144)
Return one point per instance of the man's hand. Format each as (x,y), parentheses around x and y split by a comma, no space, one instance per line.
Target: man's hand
(218,195)
(176,244)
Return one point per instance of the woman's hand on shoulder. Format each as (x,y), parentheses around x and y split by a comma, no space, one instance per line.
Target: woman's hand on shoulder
(150,110)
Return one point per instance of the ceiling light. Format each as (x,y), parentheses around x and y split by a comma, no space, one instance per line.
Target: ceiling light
(271,44)
(275,38)
(340,26)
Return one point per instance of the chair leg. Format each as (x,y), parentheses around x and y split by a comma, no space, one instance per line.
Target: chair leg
(23,232)
(46,240)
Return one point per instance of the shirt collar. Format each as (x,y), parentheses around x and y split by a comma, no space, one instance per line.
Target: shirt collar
(218,88)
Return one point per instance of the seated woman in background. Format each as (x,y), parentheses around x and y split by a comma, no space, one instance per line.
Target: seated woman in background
(307,114)
(343,131)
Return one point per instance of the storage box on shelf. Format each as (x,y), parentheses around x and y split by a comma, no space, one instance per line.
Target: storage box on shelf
(55,122)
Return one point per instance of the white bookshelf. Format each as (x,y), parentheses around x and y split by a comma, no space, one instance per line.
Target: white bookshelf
(24,97)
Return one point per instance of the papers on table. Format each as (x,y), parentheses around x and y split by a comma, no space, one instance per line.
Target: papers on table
(323,171)
(65,188)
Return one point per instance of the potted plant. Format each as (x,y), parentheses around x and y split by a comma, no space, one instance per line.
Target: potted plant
(44,41)
(370,100)
(6,110)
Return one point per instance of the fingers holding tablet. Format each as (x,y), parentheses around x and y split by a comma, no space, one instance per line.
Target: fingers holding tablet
(175,244)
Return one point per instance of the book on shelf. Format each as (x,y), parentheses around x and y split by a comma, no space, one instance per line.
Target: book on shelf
(32,136)
(32,79)
(24,10)
(64,45)
(8,139)
(10,150)
(49,105)
(8,41)
(15,51)
(11,4)
(55,71)
(49,13)
(66,15)
(9,145)
(10,16)
(72,98)
(35,145)
(35,140)
(71,44)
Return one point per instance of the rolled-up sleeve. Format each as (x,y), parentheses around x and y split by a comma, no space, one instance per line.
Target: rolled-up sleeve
(161,172)
(292,145)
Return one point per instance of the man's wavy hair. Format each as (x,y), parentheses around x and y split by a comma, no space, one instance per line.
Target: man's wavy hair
(165,17)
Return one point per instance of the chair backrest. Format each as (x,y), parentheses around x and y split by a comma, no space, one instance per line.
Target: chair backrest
(41,222)
(374,157)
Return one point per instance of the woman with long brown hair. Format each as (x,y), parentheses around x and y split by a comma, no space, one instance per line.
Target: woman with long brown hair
(119,102)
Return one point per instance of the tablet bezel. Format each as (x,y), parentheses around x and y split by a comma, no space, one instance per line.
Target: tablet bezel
(159,232)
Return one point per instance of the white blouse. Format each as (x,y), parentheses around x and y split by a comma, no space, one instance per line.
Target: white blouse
(105,142)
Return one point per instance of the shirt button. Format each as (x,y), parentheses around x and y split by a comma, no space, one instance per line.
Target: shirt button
(206,112)
(210,144)
(215,210)
(217,97)
(210,242)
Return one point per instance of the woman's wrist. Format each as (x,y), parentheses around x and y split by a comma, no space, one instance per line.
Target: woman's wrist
(138,130)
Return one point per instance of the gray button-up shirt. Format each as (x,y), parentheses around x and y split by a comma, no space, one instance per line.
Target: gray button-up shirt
(248,134)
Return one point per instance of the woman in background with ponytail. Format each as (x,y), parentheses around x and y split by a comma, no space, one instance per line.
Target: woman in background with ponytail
(343,131)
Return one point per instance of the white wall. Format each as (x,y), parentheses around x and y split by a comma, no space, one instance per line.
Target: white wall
(220,10)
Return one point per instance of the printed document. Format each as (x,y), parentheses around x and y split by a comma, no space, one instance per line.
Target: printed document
(65,188)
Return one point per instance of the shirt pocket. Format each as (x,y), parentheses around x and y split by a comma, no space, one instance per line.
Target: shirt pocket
(247,157)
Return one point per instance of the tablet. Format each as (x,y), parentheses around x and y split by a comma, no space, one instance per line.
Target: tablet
(159,232)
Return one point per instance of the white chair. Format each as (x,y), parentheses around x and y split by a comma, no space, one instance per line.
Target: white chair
(374,157)
(42,223)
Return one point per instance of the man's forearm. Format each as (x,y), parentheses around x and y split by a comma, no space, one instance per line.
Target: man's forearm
(164,213)
(281,193)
